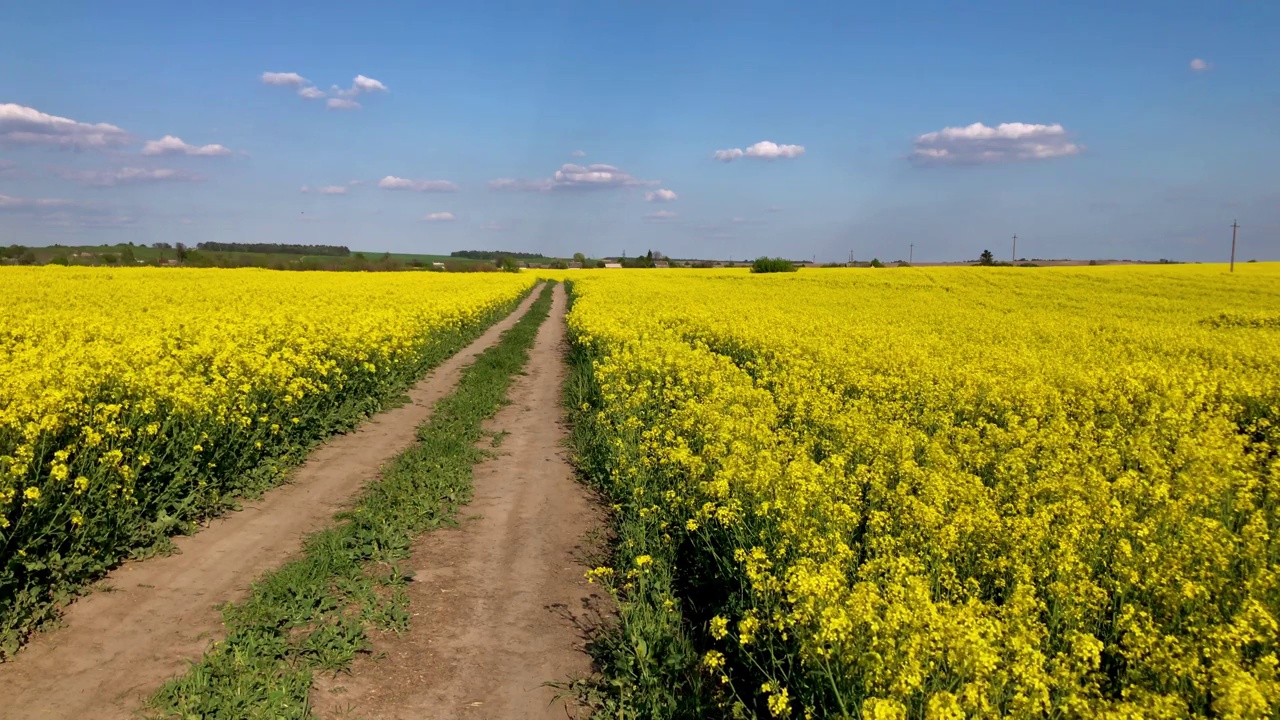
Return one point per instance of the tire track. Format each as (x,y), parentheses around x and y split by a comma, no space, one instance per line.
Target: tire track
(500,605)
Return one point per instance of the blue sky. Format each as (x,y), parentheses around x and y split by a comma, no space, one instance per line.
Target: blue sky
(855,127)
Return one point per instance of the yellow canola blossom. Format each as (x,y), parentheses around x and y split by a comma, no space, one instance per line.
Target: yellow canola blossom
(135,399)
(962,491)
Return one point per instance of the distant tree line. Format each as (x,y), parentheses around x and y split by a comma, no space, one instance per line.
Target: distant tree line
(493,255)
(18,253)
(280,248)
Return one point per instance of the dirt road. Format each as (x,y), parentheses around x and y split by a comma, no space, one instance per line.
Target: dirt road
(499,602)
(117,647)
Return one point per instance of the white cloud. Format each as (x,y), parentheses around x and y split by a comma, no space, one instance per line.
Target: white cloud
(360,84)
(661,215)
(87,218)
(575,177)
(392,182)
(63,213)
(570,175)
(20,125)
(170,145)
(579,153)
(8,202)
(440,217)
(978,144)
(305,189)
(769,151)
(127,176)
(283,78)
(339,99)
(1199,65)
(367,84)
(493,226)
(661,195)
(764,150)
(513,184)
(332,190)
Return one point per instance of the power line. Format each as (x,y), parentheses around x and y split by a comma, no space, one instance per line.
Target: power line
(1234,226)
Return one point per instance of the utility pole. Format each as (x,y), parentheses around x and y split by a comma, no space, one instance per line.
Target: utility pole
(1015,248)
(911,253)
(1234,226)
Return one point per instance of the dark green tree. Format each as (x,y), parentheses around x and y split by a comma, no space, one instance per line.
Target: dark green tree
(772,265)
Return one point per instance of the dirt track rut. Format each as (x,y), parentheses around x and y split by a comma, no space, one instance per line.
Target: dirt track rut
(499,603)
(117,647)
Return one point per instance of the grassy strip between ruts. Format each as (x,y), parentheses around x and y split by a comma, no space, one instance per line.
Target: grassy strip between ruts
(313,613)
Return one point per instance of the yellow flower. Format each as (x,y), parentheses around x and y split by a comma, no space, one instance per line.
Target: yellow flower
(904,473)
(747,628)
(599,574)
(780,704)
(713,660)
(96,367)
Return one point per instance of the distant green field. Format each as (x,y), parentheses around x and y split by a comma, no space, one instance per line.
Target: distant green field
(93,254)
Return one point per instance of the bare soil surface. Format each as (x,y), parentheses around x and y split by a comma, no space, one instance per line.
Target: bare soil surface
(147,619)
(499,604)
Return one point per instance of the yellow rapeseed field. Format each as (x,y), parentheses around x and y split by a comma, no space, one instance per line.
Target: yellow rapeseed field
(134,401)
(942,493)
